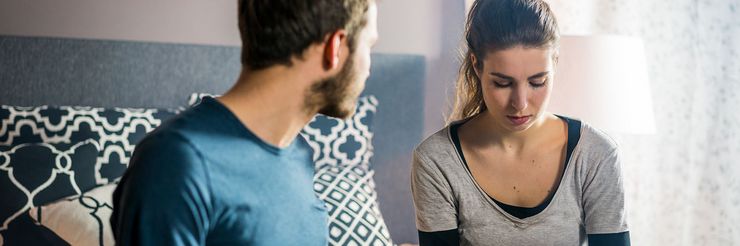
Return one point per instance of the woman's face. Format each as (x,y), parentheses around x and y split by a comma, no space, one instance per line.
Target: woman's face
(516,85)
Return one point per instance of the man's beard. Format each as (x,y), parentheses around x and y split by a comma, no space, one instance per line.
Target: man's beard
(336,96)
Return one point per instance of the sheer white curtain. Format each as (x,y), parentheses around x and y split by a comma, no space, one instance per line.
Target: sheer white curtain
(682,183)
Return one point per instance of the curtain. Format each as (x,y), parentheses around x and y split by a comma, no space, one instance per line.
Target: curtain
(682,183)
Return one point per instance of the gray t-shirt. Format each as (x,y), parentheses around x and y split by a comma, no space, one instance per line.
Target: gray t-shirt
(589,198)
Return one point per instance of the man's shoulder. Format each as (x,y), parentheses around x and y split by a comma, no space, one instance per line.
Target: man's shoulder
(165,150)
(192,127)
(166,137)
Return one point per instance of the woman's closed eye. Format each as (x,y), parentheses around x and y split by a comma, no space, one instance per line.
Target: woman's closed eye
(504,84)
(537,83)
(501,83)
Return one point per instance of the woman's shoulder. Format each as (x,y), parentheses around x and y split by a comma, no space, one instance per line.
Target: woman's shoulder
(435,143)
(589,138)
(437,154)
(439,139)
(596,139)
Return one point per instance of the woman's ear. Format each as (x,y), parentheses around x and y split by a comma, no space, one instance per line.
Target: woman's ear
(474,63)
(333,47)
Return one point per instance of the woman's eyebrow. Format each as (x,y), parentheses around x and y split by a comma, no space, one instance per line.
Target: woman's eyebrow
(507,77)
(538,75)
(503,76)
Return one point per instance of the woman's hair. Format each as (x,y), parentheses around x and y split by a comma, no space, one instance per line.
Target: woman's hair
(495,25)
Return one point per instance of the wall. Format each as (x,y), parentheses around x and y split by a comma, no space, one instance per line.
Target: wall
(184,21)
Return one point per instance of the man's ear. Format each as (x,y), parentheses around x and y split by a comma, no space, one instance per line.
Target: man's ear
(333,47)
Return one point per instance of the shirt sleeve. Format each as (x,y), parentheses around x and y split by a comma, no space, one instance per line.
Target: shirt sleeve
(163,198)
(611,239)
(439,238)
(433,198)
(603,196)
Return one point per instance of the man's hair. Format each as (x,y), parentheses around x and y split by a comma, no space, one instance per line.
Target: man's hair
(273,31)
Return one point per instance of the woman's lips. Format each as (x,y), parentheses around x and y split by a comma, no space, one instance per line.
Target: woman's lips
(518,120)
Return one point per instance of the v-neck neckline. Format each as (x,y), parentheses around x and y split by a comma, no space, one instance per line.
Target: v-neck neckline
(571,146)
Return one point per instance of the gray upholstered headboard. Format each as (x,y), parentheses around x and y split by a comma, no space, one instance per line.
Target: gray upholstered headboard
(55,71)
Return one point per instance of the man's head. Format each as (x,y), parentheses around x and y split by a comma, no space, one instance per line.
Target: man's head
(279,32)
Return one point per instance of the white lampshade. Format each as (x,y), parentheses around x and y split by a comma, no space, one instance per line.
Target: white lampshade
(603,80)
(468,5)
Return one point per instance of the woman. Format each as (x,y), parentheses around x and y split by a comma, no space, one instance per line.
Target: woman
(505,171)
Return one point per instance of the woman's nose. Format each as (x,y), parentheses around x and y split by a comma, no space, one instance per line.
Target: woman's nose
(519,99)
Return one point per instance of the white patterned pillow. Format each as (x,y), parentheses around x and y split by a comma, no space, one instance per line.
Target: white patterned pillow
(344,177)
(350,197)
(80,220)
(195,98)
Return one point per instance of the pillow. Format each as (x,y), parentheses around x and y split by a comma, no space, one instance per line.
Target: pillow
(351,200)
(27,171)
(344,179)
(80,220)
(48,153)
(195,98)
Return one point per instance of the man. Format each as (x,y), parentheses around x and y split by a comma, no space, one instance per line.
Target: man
(231,170)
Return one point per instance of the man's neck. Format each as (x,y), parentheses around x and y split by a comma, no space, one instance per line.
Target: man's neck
(270,103)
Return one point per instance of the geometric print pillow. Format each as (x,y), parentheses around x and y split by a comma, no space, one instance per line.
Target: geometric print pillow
(351,202)
(343,142)
(48,153)
(32,172)
(344,178)
(80,220)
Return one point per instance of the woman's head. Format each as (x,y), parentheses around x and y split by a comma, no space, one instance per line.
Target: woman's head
(510,44)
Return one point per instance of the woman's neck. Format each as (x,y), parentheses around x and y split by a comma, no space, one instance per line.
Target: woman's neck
(482,131)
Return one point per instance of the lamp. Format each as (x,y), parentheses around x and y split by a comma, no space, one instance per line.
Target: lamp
(603,80)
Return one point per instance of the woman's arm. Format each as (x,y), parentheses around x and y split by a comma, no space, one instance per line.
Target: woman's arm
(603,201)
(439,238)
(436,215)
